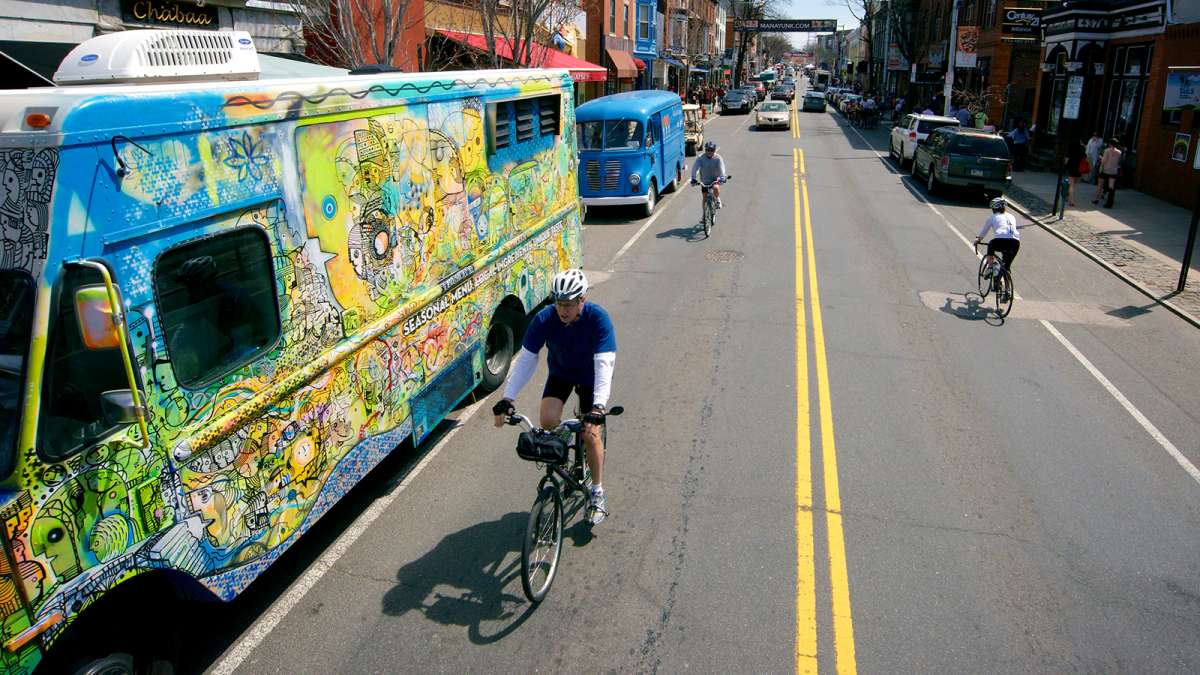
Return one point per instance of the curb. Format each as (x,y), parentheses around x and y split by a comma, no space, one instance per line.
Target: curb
(1020,208)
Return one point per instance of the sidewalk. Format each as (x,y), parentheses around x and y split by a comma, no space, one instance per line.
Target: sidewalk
(1141,237)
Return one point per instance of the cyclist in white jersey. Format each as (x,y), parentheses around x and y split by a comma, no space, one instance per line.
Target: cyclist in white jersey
(1006,239)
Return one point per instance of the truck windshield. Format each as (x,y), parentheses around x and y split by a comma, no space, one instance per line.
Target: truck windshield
(16,323)
(610,135)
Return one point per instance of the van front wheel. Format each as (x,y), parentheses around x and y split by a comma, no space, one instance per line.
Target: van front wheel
(651,198)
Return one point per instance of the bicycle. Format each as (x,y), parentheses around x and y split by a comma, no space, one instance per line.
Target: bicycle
(561,452)
(996,277)
(708,216)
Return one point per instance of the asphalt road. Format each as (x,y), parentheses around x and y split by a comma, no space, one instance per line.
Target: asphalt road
(892,480)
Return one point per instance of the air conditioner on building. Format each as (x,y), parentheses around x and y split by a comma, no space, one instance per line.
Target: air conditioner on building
(161,56)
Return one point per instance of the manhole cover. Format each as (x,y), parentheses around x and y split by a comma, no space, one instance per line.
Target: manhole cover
(723,256)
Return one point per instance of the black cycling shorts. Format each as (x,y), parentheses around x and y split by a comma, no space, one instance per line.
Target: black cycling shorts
(1007,248)
(557,387)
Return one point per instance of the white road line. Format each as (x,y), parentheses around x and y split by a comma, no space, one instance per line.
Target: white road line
(662,206)
(1125,403)
(281,607)
(1083,360)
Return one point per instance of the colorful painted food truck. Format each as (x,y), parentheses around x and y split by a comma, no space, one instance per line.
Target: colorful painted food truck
(224,300)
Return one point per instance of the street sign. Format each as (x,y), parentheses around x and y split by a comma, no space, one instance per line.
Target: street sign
(785,25)
(1074,93)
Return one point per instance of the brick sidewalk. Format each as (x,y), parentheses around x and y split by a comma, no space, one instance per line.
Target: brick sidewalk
(1156,272)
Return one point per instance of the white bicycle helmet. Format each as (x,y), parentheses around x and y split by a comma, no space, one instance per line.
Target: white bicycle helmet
(998,204)
(568,285)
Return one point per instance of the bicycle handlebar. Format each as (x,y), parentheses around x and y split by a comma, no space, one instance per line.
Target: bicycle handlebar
(708,185)
(518,420)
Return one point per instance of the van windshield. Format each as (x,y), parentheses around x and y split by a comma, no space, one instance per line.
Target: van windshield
(16,323)
(610,135)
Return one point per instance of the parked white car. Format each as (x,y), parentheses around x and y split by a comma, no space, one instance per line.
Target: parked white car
(912,130)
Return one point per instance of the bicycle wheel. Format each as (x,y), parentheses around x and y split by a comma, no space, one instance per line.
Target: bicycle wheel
(708,216)
(1004,301)
(543,544)
(985,283)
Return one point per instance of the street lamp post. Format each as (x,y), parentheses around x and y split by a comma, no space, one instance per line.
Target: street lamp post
(951,53)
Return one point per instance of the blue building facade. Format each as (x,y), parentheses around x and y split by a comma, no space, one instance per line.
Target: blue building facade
(646,41)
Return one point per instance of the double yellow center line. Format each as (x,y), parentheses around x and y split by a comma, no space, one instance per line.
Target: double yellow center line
(806,602)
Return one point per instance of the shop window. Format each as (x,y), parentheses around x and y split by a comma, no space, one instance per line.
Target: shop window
(216,303)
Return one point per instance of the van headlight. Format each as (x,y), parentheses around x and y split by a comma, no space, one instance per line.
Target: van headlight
(635,179)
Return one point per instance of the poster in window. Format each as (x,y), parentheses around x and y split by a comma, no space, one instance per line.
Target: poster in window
(1183,90)
(1179,149)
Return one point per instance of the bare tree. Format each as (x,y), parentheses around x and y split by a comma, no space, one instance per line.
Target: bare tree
(520,23)
(775,45)
(911,32)
(864,11)
(741,10)
(352,33)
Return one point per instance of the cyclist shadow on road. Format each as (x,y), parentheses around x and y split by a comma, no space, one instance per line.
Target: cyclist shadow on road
(691,233)
(472,578)
(971,308)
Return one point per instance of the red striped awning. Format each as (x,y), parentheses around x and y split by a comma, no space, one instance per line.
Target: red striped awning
(541,56)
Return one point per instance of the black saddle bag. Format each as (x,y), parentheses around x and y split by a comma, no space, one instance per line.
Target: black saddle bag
(542,446)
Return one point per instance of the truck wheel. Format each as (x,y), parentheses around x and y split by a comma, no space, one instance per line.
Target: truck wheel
(651,199)
(499,349)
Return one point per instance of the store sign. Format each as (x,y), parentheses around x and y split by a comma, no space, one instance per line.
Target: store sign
(1022,21)
(785,25)
(166,13)
(1074,66)
(1074,94)
(966,56)
(1183,89)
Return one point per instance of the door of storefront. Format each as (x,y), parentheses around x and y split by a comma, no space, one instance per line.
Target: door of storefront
(1129,67)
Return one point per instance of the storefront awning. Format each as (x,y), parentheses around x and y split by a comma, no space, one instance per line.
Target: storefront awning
(699,70)
(541,56)
(623,61)
(641,65)
(672,62)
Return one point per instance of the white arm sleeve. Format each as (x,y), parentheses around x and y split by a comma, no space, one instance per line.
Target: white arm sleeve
(518,376)
(603,363)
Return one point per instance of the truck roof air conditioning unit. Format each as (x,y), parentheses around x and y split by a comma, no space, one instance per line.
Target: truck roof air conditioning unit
(150,56)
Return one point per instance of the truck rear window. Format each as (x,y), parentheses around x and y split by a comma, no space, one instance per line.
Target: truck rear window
(927,126)
(980,146)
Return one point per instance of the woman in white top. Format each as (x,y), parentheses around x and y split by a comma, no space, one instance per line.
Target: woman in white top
(1006,238)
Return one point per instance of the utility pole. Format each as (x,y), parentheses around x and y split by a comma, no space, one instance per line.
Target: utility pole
(951,53)
(887,47)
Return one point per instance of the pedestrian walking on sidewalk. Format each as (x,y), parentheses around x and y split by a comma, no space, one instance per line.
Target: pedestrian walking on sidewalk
(1095,146)
(1110,168)
(1075,159)
(1020,144)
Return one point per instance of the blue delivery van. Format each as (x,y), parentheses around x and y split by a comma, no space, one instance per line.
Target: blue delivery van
(630,148)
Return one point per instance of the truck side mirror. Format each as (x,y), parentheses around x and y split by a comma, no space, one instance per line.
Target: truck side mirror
(97,323)
(118,407)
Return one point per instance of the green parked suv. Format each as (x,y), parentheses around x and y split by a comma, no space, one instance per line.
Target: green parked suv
(966,158)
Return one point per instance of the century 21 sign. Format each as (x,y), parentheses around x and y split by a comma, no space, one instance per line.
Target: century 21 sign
(1022,20)
(164,12)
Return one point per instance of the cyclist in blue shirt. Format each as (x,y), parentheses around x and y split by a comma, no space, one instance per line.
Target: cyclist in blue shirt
(582,349)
